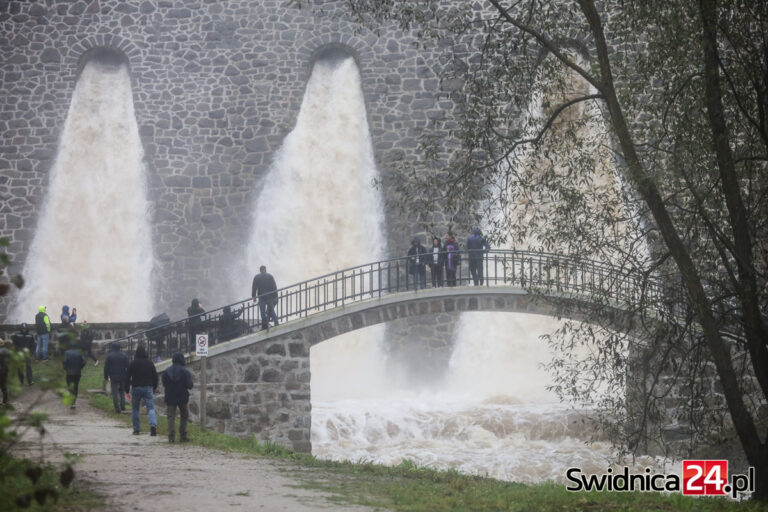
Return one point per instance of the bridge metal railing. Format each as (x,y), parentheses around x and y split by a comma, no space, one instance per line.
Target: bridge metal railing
(537,271)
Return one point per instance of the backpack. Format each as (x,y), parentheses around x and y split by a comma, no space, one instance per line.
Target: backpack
(452,257)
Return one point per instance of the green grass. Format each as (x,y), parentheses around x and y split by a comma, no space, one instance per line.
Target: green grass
(408,487)
(31,485)
(18,491)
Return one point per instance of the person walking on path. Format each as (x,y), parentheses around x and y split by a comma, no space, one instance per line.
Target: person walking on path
(452,259)
(86,342)
(264,289)
(142,380)
(5,369)
(436,262)
(477,246)
(116,371)
(73,364)
(417,260)
(177,382)
(23,340)
(195,322)
(43,329)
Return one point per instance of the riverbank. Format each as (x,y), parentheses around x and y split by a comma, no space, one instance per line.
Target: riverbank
(331,485)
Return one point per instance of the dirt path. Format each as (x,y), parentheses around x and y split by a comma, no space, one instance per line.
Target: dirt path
(143,473)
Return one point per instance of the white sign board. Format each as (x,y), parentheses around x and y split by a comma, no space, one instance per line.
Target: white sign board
(201,345)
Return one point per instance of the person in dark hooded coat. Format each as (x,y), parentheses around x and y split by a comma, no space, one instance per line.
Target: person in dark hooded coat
(177,382)
(116,370)
(436,262)
(73,364)
(86,342)
(417,261)
(142,381)
(25,340)
(228,328)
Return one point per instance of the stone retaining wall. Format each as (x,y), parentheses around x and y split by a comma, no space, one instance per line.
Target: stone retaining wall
(103,333)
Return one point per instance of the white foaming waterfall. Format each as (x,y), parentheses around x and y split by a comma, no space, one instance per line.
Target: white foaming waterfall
(92,247)
(319,212)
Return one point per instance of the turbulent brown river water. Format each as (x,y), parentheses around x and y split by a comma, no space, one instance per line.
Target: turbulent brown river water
(491,415)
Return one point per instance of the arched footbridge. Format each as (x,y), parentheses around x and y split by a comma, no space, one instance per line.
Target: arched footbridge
(259,380)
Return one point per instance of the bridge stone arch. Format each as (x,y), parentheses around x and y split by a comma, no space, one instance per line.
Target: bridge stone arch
(260,385)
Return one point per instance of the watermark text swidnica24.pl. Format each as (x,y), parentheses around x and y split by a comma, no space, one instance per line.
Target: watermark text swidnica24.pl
(700,478)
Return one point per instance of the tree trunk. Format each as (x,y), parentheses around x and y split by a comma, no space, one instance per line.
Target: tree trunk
(719,350)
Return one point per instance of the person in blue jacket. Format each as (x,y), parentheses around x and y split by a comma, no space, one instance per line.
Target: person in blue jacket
(177,382)
(477,247)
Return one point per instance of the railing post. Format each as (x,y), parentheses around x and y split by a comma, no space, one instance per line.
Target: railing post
(513,268)
(530,271)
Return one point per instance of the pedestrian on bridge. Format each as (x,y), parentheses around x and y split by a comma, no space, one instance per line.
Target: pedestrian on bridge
(264,289)
(417,261)
(477,247)
(452,259)
(436,262)
(195,322)
(228,328)
(177,381)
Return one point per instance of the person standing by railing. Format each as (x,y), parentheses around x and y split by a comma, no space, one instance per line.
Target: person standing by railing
(436,262)
(452,259)
(264,289)
(477,246)
(417,260)
(195,322)
(228,328)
